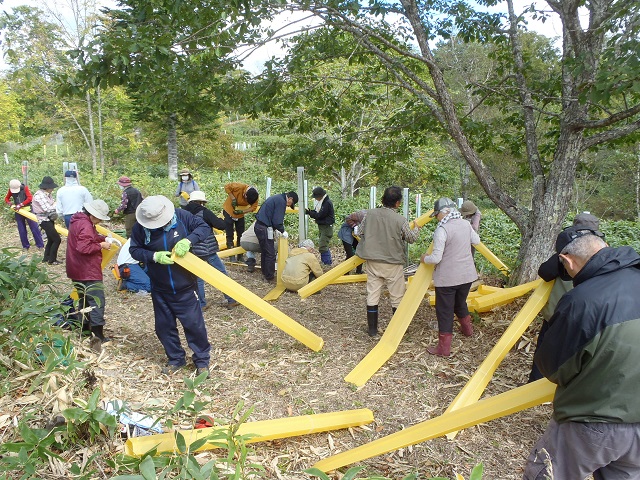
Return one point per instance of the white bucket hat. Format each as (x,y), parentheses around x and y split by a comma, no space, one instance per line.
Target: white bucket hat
(14,186)
(197,196)
(155,212)
(98,208)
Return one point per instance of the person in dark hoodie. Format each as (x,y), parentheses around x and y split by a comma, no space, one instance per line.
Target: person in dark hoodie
(161,228)
(591,352)
(84,263)
(324,216)
(209,248)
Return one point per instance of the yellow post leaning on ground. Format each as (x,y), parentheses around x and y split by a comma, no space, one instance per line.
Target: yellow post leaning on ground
(263,430)
(472,391)
(487,409)
(495,261)
(249,299)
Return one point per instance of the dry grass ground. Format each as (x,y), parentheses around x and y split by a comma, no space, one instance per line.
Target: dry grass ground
(256,363)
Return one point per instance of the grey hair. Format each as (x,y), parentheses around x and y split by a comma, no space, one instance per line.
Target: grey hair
(584,247)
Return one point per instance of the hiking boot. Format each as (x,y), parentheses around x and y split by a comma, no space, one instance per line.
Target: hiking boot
(170,369)
(251,265)
(231,305)
(201,370)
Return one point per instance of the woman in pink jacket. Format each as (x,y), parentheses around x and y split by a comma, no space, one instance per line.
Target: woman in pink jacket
(84,262)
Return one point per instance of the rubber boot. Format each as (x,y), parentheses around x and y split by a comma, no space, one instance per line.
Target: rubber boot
(97,330)
(465,326)
(372,319)
(359,269)
(240,257)
(251,265)
(444,345)
(325,257)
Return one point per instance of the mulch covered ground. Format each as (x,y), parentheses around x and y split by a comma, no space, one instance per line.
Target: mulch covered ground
(256,363)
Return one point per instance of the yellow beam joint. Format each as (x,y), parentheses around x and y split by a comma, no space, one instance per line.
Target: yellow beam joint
(328,277)
(503,296)
(490,408)
(283,254)
(489,255)
(249,299)
(474,388)
(394,332)
(361,277)
(264,430)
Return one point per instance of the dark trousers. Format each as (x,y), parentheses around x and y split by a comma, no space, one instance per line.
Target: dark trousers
(350,251)
(230,225)
(184,306)
(91,294)
(267,252)
(536,374)
(450,300)
(22,231)
(53,241)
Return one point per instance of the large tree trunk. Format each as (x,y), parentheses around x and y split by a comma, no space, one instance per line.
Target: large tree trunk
(100,131)
(172,146)
(92,137)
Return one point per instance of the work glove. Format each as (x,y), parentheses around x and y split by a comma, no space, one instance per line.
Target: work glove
(111,240)
(182,247)
(163,258)
(234,203)
(285,234)
(238,212)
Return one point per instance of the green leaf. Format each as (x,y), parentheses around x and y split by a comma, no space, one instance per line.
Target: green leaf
(148,468)
(181,443)
(316,472)
(476,473)
(351,473)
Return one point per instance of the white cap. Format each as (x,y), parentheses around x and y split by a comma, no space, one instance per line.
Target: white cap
(14,186)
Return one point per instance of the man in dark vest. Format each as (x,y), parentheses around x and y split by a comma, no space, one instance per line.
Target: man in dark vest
(131,198)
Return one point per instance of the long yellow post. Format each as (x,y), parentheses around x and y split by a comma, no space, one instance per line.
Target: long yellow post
(472,391)
(398,325)
(249,299)
(229,252)
(495,261)
(502,297)
(330,276)
(283,253)
(264,430)
(361,277)
(490,408)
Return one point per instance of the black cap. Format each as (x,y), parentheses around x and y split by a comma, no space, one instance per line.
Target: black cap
(569,234)
(294,196)
(586,220)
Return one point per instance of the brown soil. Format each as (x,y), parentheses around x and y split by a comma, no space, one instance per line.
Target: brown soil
(256,363)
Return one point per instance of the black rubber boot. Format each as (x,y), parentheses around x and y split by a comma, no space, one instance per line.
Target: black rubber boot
(372,320)
(240,258)
(251,265)
(359,269)
(98,331)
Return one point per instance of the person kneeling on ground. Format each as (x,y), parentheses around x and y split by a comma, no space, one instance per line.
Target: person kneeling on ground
(134,277)
(301,267)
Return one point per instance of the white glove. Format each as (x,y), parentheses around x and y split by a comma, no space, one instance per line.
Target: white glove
(285,234)
(356,230)
(111,240)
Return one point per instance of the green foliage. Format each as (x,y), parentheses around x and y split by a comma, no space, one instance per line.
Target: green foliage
(351,474)
(85,422)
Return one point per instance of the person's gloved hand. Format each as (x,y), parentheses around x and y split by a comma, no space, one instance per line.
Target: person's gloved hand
(238,212)
(182,247)
(111,240)
(163,258)
(234,203)
(285,234)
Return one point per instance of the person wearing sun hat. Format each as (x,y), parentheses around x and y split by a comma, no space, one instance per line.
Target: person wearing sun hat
(159,230)
(43,206)
(84,263)
(590,351)
(131,198)
(19,197)
(324,216)
(186,185)
(71,197)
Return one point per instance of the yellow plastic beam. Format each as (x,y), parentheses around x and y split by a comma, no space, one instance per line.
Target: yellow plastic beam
(472,391)
(108,233)
(502,297)
(422,220)
(495,261)
(486,289)
(283,254)
(264,430)
(249,299)
(328,277)
(490,408)
(229,252)
(398,325)
(360,277)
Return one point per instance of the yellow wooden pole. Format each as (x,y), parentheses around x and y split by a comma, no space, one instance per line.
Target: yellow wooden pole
(283,254)
(495,261)
(330,276)
(502,296)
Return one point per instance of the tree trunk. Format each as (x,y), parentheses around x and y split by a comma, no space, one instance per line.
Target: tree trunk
(637,149)
(92,138)
(172,146)
(100,132)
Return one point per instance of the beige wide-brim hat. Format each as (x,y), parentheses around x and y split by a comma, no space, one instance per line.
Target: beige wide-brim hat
(155,212)
(98,208)
(197,196)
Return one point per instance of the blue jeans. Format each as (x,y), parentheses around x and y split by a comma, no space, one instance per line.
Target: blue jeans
(215,262)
